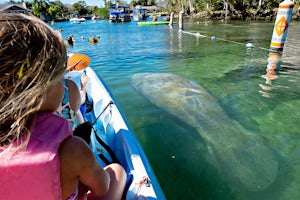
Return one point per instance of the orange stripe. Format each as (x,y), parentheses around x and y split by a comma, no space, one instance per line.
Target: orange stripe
(274,44)
(286,6)
(273,54)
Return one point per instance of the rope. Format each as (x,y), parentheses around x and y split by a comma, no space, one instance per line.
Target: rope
(225,40)
(144,181)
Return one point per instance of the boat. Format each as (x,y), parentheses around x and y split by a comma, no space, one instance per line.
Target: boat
(150,23)
(94,18)
(139,13)
(113,140)
(75,20)
(119,14)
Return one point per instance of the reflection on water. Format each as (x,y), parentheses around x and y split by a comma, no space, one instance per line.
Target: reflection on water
(272,73)
(232,73)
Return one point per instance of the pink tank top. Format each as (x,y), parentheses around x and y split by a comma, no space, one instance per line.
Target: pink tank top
(34,173)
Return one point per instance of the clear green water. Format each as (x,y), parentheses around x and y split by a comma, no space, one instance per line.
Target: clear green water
(229,71)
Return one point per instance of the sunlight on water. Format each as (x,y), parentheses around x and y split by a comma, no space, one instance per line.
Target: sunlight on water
(267,107)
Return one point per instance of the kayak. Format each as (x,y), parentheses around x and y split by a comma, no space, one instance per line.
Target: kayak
(149,23)
(113,140)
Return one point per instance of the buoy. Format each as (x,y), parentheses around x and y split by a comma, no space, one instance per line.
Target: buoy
(213,38)
(283,18)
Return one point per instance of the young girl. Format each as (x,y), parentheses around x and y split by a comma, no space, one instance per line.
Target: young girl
(39,157)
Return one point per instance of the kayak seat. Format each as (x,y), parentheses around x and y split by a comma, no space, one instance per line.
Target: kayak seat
(84,131)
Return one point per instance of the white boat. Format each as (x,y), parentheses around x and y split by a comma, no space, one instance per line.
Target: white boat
(139,13)
(76,20)
(112,137)
(94,18)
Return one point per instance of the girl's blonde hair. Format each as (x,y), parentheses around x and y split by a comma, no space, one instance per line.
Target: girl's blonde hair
(32,55)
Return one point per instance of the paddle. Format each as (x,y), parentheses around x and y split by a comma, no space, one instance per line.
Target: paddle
(75,62)
(78,62)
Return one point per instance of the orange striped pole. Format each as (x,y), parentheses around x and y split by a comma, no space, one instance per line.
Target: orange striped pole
(284,15)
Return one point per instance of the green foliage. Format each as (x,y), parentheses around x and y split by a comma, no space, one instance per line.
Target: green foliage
(142,2)
(39,7)
(80,8)
(92,9)
(56,9)
(194,6)
(103,13)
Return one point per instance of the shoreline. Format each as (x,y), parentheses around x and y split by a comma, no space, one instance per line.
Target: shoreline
(253,15)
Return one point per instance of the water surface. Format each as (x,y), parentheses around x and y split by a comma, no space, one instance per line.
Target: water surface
(229,71)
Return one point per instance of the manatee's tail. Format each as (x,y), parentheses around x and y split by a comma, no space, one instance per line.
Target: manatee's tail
(242,156)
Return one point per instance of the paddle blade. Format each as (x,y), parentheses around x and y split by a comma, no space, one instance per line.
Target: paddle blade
(78,62)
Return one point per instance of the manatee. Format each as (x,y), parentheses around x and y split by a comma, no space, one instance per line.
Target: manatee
(239,154)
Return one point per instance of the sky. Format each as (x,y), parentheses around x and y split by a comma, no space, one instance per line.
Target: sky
(98,3)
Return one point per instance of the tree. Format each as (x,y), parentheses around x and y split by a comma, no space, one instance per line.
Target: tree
(102,13)
(80,8)
(104,2)
(39,8)
(142,2)
(133,3)
(57,9)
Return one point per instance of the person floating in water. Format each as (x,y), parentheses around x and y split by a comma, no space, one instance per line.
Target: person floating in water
(93,40)
(70,40)
(154,18)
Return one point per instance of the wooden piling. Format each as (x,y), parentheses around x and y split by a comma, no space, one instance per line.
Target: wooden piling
(181,16)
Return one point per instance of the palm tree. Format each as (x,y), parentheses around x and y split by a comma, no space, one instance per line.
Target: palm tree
(40,7)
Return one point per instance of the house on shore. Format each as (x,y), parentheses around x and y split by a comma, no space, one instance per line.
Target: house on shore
(152,9)
(15,8)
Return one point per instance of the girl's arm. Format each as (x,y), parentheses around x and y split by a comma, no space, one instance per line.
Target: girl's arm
(78,164)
